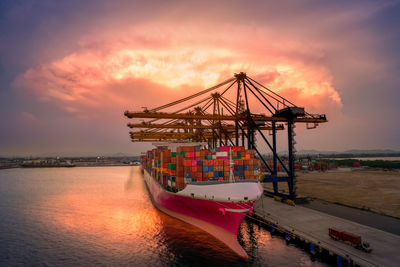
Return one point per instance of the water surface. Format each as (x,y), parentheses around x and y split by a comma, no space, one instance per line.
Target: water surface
(104,215)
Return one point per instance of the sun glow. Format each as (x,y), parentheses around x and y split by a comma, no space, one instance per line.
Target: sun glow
(111,72)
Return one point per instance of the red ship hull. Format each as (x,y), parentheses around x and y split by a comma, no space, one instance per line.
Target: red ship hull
(219,218)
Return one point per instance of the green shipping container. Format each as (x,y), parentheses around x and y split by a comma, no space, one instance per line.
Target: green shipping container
(171,166)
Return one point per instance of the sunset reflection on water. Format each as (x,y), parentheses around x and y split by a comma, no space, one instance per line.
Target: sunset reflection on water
(104,215)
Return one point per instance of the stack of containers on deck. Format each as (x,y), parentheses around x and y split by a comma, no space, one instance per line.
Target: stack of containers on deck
(165,159)
(180,170)
(193,164)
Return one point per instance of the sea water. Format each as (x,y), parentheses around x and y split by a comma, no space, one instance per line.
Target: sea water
(104,216)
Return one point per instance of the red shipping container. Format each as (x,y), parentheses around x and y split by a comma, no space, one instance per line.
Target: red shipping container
(179,160)
(335,233)
(351,238)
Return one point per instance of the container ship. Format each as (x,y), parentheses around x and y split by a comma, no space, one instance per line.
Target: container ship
(210,189)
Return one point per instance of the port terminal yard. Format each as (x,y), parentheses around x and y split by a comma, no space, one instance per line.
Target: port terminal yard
(311,228)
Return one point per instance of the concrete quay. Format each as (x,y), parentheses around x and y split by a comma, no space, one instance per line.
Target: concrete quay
(312,226)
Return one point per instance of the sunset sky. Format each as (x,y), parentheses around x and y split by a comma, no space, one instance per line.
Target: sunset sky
(69,69)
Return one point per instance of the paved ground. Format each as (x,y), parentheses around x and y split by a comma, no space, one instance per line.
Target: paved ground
(378,221)
(313,226)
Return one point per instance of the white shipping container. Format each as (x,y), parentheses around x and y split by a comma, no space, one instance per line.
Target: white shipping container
(221,154)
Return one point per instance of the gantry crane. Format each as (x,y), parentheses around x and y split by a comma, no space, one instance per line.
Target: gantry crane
(204,120)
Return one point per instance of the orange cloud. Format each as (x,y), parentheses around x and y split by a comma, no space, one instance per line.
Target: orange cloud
(151,64)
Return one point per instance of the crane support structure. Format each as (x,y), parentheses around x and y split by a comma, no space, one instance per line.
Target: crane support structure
(225,117)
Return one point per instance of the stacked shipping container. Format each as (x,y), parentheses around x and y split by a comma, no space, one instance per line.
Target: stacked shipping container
(193,164)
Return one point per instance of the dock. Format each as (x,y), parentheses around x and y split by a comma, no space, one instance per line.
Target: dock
(311,226)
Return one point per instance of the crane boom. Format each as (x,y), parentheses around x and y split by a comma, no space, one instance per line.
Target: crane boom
(184,126)
(159,115)
(219,120)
